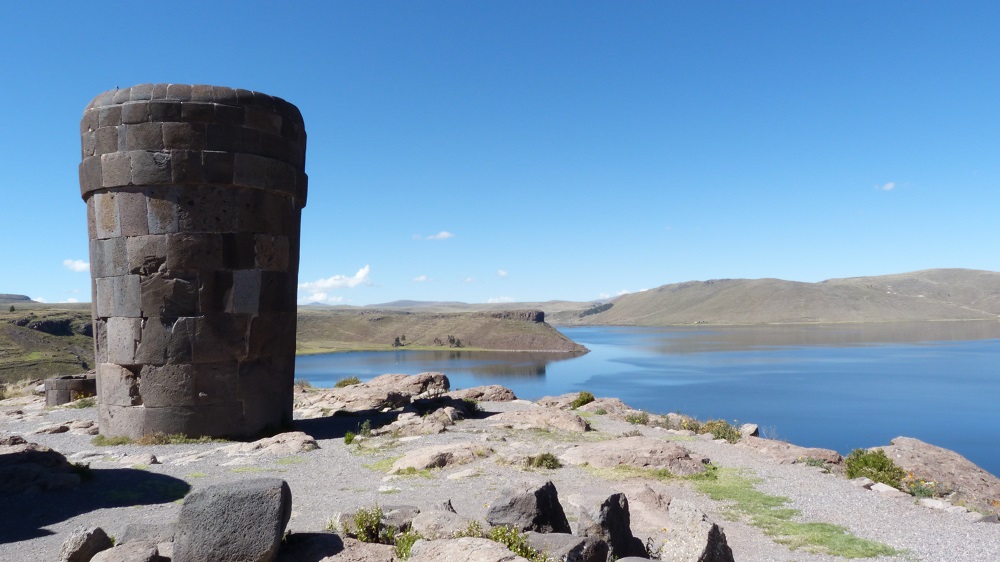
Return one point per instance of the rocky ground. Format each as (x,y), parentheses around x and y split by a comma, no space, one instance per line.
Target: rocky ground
(426,448)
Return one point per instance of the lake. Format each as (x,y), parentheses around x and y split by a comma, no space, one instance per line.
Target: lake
(837,386)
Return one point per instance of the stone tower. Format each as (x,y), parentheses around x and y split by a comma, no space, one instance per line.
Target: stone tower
(194,198)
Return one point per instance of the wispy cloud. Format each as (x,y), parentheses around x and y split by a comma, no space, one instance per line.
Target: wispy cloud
(76,265)
(38,299)
(469,280)
(501,273)
(888,186)
(497,300)
(443,235)
(71,299)
(421,279)
(623,292)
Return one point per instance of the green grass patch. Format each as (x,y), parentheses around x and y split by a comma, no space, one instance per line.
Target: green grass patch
(253,469)
(769,513)
(88,402)
(582,399)
(290,460)
(382,465)
(412,471)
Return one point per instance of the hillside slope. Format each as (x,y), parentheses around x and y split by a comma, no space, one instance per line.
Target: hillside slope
(935,294)
(45,342)
(321,331)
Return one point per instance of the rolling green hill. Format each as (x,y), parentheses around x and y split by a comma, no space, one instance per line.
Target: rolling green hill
(324,330)
(929,295)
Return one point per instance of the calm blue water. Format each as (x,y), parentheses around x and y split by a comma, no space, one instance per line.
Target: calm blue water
(836,387)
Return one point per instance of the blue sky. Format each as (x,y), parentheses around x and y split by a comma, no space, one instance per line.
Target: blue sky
(494,151)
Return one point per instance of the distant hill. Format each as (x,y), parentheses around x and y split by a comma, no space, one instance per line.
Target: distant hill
(934,294)
(14,299)
(325,330)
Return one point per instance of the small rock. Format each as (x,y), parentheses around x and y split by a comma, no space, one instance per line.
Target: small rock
(529,507)
(83,544)
(51,429)
(933,503)
(434,525)
(467,473)
(569,548)
(888,490)
(139,458)
(749,430)
(862,482)
(131,552)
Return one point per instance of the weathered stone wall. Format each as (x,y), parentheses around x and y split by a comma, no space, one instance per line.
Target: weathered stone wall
(194,198)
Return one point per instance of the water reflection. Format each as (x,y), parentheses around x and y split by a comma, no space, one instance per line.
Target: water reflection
(489,366)
(743,338)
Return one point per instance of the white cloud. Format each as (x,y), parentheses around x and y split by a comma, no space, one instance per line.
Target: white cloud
(623,292)
(71,299)
(38,299)
(497,300)
(469,280)
(421,279)
(502,273)
(321,297)
(888,186)
(338,282)
(603,296)
(443,235)
(76,265)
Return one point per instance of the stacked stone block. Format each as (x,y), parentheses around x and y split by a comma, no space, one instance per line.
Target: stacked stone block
(194,198)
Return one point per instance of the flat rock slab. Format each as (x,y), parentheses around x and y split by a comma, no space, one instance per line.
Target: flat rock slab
(546,419)
(636,452)
(950,470)
(440,456)
(488,393)
(289,443)
(467,549)
(786,453)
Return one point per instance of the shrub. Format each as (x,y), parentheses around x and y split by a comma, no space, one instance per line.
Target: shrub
(368,526)
(303,384)
(601,411)
(721,429)
(365,429)
(544,460)
(88,402)
(347,382)
(581,399)
(516,542)
(874,465)
(632,433)
(349,438)
(640,418)
(474,529)
(404,542)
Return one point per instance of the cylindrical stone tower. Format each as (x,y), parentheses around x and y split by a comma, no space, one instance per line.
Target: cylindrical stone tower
(194,197)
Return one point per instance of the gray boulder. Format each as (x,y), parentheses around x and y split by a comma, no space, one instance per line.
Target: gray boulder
(399,517)
(83,544)
(569,548)
(241,520)
(608,518)
(692,537)
(529,508)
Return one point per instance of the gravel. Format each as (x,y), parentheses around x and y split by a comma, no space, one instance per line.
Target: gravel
(339,479)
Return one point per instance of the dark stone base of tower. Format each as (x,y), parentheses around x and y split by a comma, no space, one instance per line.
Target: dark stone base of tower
(194,198)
